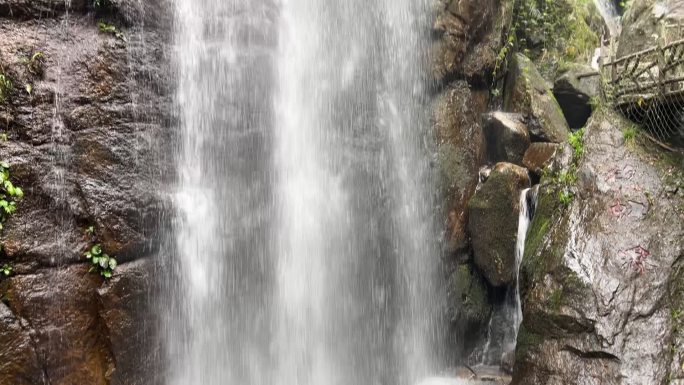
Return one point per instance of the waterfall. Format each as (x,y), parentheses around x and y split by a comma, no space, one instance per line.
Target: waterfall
(524,219)
(610,14)
(305,249)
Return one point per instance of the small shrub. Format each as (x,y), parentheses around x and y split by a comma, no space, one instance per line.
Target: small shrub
(6,270)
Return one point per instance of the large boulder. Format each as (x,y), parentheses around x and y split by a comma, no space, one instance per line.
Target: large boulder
(575,90)
(528,93)
(493,222)
(507,137)
(648,23)
(460,153)
(601,278)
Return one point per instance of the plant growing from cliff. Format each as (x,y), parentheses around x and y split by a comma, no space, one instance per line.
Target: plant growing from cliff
(110,29)
(565,197)
(102,263)
(5,87)
(6,270)
(576,140)
(34,63)
(9,193)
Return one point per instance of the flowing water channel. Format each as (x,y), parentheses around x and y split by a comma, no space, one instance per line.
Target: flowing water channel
(305,249)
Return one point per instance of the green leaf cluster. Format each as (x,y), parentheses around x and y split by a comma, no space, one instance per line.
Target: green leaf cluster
(110,29)
(6,270)
(102,262)
(576,140)
(9,193)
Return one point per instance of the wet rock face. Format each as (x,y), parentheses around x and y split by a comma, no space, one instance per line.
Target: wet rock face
(469,36)
(601,277)
(493,222)
(528,93)
(460,152)
(28,9)
(88,142)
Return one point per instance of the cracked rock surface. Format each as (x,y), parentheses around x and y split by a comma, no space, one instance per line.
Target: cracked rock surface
(602,278)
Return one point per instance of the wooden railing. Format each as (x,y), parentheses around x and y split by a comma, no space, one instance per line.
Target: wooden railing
(657,72)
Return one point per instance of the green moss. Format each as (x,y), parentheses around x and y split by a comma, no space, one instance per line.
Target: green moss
(556,32)
(554,301)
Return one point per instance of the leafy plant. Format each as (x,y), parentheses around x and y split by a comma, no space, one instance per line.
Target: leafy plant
(102,263)
(576,140)
(9,193)
(5,87)
(6,270)
(110,29)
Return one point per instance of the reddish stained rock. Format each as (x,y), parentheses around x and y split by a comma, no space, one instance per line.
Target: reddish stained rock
(538,155)
(61,306)
(17,351)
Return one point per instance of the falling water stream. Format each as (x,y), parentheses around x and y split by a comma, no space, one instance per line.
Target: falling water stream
(304,247)
(510,313)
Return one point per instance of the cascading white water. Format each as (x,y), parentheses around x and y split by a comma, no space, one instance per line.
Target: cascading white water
(610,14)
(305,248)
(523,225)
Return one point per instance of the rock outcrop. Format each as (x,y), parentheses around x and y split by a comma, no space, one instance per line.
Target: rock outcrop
(460,152)
(647,23)
(469,36)
(601,275)
(529,94)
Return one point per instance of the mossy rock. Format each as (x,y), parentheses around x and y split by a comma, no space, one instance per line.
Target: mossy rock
(493,223)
